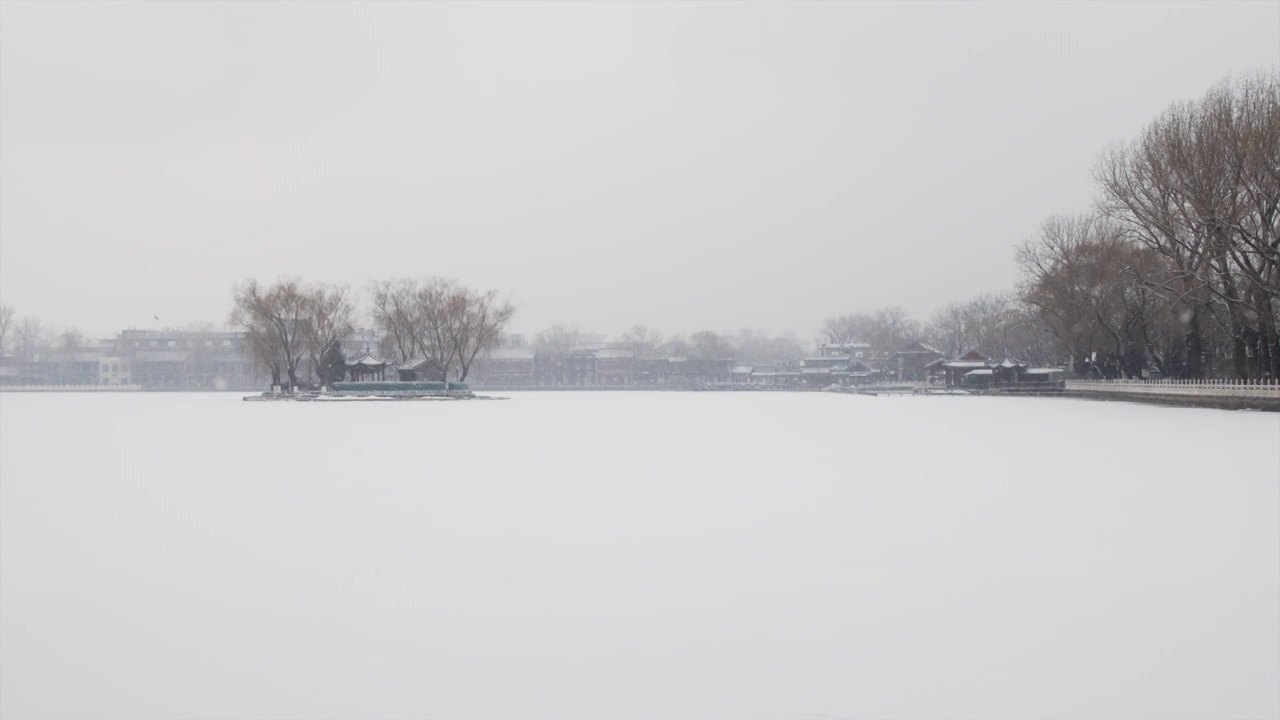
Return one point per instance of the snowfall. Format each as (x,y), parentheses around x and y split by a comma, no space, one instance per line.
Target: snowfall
(628,555)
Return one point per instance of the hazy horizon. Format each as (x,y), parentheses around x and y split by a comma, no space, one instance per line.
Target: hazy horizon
(684,166)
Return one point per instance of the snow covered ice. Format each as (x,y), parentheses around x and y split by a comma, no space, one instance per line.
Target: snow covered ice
(690,555)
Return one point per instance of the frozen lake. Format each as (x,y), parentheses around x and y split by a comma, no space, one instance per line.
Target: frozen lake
(682,555)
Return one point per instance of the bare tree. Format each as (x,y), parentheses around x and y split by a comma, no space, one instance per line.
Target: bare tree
(329,316)
(71,340)
(848,328)
(32,339)
(1074,276)
(6,329)
(441,305)
(760,348)
(1201,187)
(643,341)
(275,318)
(676,346)
(560,338)
(475,321)
(439,319)
(888,330)
(709,346)
(397,312)
(263,347)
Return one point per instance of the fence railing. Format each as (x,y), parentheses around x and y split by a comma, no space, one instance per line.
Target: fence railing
(70,388)
(1223,388)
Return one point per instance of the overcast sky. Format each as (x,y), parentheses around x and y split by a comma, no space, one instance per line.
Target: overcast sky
(720,165)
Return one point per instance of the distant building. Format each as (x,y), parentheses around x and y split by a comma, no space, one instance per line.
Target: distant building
(178,360)
(912,360)
(74,367)
(854,350)
(167,369)
(367,367)
(615,366)
(936,372)
(14,370)
(420,370)
(114,370)
(955,371)
(975,370)
(512,366)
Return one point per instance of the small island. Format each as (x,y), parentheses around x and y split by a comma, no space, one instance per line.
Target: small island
(437,328)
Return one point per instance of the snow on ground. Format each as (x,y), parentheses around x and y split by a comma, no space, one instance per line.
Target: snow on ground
(637,555)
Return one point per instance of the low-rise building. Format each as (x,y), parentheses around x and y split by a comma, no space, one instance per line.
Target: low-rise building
(615,366)
(512,367)
(911,361)
(955,371)
(857,350)
(420,370)
(74,367)
(114,370)
(180,360)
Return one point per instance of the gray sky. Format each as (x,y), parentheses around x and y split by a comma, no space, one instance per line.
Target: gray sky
(688,166)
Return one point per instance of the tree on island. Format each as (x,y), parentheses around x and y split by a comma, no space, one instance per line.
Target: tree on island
(333,365)
(438,319)
(290,321)
(329,317)
(274,317)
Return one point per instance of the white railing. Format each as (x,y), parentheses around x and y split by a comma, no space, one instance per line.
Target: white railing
(1222,388)
(70,388)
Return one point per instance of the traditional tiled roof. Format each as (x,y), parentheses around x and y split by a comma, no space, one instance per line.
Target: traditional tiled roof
(367,360)
(414,363)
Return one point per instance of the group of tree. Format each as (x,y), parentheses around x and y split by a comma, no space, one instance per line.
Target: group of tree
(439,319)
(646,343)
(1175,269)
(290,321)
(997,325)
(292,325)
(1177,266)
(29,339)
(886,330)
